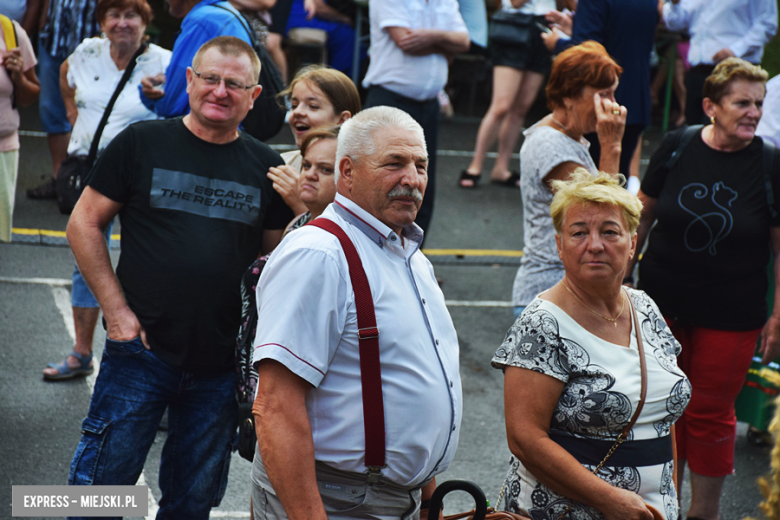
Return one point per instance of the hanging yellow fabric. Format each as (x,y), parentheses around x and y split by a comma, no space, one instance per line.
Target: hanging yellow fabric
(9,32)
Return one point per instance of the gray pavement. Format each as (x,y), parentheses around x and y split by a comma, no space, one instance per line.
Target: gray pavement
(40,423)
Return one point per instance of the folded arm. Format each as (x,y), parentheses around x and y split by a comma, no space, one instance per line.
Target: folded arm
(422,42)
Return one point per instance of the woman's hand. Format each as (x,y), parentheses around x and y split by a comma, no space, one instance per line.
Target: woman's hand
(563,21)
(150,86)
(610,125)
(14,64)
(626,505)
(285,181)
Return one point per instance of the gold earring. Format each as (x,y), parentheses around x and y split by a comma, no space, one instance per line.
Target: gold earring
(712,119)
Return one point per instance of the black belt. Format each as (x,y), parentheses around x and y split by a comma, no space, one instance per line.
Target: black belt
(648,452)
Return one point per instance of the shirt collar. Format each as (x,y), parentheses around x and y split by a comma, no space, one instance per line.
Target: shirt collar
(373,228)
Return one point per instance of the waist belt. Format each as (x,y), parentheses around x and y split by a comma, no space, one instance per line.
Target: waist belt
(646,452)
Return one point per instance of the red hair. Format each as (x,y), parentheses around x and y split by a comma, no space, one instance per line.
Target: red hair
(587,64)
(141,7)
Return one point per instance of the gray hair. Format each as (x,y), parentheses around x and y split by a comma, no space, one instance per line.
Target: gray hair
(356,138)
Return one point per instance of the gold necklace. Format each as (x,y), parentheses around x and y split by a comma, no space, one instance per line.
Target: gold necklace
(613,320)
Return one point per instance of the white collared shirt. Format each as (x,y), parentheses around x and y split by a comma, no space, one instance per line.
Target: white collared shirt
(743,26)
(535,7)
(308,322)
(769,126)
(416,77)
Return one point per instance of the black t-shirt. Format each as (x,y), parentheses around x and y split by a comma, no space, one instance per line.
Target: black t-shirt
(192,221)
(706,259)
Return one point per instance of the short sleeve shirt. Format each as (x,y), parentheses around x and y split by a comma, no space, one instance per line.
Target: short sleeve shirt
(9,117)
(707,256)
(193,217)
(544,148)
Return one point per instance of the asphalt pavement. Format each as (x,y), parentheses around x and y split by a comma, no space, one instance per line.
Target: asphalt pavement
(474,244)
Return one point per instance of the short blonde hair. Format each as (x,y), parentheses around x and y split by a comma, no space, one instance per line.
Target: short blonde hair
(718,84)
(582,188)
(230,46)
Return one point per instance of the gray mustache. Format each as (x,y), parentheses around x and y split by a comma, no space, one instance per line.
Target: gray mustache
(401,191)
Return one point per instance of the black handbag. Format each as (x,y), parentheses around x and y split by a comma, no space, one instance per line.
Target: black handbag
(72,177)
(515,29)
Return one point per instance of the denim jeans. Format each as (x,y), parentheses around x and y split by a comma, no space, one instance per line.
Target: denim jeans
(80,295)
(54,117)
(131,393)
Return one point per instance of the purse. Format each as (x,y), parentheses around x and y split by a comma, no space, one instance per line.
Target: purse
(72,176)
(515,29)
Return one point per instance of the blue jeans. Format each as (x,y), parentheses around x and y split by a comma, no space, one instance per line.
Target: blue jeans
(54,117)
(80,295)
(518,310)
(131,393)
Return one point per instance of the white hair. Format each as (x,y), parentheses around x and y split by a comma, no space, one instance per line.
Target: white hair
(356,137)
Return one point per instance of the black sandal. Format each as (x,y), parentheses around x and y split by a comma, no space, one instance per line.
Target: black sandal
(466,176)
(510,182)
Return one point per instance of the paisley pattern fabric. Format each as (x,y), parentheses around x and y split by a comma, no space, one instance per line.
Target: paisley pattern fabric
(602,383)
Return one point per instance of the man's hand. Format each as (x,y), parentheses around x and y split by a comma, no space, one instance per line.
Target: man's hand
(722,55)
(150,86)
(123,325)
(417,42)
(562,20)
(285,181)
(770,340)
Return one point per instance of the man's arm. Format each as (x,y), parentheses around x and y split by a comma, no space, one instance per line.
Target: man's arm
(285,439)
(763,28)
(271,239)
(85,231)
(422,42)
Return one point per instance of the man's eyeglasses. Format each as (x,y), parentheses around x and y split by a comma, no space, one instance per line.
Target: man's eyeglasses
(230,83)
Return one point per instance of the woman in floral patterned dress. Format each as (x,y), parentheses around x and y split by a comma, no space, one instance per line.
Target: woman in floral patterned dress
(573,377)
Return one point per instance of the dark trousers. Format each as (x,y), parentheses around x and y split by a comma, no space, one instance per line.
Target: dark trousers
(427,114)
(694,84)
(630,140)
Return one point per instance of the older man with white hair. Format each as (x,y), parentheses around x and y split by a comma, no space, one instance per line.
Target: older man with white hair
(317,403)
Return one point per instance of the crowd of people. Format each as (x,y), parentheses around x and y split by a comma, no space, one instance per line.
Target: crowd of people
(611,391)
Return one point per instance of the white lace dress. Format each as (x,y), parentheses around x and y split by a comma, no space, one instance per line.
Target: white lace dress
(602,386)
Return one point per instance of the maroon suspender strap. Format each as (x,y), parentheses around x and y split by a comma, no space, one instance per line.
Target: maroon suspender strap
(368,335)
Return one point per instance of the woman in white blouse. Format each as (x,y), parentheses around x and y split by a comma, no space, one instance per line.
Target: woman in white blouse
(88,79)
(573,376)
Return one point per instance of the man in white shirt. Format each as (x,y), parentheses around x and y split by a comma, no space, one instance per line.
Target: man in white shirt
(311,462)
(769,126)
(719,29)
(411,43)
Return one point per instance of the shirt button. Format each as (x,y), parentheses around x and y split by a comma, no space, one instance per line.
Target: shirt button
(453,428)
(392,237)
(437,341)
(423,301)
(452,384)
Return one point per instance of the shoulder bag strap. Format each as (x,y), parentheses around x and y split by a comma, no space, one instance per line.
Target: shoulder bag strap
(104,120)
(9,32)
(686,137)
(368,335)
(768,153)
(243,21)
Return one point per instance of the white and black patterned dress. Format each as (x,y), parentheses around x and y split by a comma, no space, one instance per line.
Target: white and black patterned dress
(602,384)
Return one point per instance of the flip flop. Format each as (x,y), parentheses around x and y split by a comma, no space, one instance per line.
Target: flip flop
(66,372)
(510,182)
(466,176)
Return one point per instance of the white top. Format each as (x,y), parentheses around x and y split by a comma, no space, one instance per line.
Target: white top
(769,126)
(9,116)
(602,383)
(416,77)
(307,321)
(544,148)
(744,26)
(536,7)
(94,75)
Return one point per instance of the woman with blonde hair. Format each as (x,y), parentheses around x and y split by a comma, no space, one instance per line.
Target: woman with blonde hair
(591,386)
(716,222)
(319,97)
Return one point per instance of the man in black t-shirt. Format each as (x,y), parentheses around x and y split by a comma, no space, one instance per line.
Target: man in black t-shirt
(196,209)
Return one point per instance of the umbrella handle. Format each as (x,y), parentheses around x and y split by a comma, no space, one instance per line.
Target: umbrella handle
(437,499)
